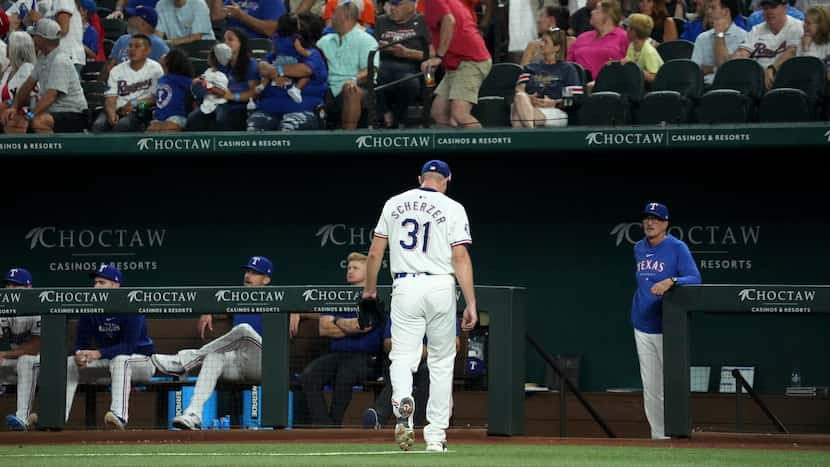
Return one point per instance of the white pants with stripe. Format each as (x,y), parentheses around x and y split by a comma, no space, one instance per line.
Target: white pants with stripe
(424,305)
(26,368)
(234,356)
(650,353)
(123,370)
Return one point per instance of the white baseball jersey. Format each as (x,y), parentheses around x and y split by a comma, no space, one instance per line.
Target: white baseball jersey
(19,329)
(765,47)
(127,83)
(72,44)
(422,226)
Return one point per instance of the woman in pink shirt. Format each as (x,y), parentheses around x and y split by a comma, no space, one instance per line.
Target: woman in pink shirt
(607,42)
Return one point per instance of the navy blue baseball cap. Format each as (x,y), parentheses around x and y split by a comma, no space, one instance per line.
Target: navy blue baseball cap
(108,271)
(656,209)
(18,276)
(260,264)
(144,12)
(437,166)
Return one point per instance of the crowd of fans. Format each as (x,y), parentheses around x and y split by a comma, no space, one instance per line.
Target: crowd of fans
(189,64)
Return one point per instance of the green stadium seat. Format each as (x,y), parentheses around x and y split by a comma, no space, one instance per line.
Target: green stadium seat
(678,87)
(617,91)
(496,95)
(198,49)
(735,93)
(671,50)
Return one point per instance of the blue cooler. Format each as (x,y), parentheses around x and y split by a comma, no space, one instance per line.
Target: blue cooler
(252,408)
(177,401)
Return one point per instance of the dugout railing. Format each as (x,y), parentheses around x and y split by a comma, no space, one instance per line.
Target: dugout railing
(504,304)
(680,304)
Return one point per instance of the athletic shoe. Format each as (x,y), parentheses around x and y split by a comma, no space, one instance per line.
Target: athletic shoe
(110,419)
(435,446)
(370,419)
(167,364)
(16,424)
(188,421)
(404,431)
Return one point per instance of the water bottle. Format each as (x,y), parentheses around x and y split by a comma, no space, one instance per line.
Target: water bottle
(251,107)
(795,378)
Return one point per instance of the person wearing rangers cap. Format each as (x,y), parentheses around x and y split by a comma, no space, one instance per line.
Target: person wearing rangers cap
(22,334)
(661,261)
(115,343)
(235,356)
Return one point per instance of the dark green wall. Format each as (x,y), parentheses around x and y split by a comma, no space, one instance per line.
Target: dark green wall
(544,221)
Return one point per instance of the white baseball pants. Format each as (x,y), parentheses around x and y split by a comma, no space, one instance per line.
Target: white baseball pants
(650,353)
(234,356)
(123,370)
(424,305)
(27,368)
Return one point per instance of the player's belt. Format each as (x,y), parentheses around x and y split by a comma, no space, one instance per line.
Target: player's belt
(399,275)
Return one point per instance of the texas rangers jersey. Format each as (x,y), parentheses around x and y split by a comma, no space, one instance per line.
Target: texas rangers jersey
(16,331)
(126,83)
(422,226)
(765,47)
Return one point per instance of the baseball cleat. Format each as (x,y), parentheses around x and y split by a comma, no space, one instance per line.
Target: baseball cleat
(16,424)
(404,431)
(370,419)
(110,419)
(437,446)
(189,421)
(167,364)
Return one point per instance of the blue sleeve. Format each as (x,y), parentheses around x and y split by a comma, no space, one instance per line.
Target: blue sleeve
(317,65)
(83,334)
(118,47)
(131,332)
(269,10)
(686,267)
(253,72)
(91,39)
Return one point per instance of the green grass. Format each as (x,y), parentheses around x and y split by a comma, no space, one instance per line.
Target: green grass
(351,455)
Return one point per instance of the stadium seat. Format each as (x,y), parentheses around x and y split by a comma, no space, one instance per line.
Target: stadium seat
(673,50)
(618,90)
(798,92)
(91,71)
(108,45)
(109,4)
(496,95)
(199,65)
(260,47)
(198,49)
(676,91)
(735,93)
(584,76)
(94,94)
(113,28)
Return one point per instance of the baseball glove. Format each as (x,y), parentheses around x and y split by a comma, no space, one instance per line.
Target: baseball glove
(371,313)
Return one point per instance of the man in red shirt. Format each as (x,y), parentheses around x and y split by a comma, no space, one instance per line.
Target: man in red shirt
(460,49)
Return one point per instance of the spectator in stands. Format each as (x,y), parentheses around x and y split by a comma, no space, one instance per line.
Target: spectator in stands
(257,18)
(183,21)
(714,47)
(4,30)
(67,15)
(122,347)
(87,8)
(276,108)
(460,50)
(758,16)
(367,13)
(353,356)
(774,41)
(549,17)
(234,356)
(640,50)
(581,19)
(403,24)
(22,336)
(805,5)
(664,29)
(676,8)
(61,105)
(22,58)
(816,39)
(538,98)
(607,42)
(347,52)
(142,20)
(122,7)
(699,23)
(173,93)
(132,86)
(243,78)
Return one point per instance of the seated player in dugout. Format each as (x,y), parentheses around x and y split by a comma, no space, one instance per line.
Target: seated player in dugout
(235,356)
(22,361)
(353,357)
(121,347)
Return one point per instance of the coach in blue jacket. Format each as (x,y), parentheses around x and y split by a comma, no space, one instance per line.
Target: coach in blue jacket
(661,262)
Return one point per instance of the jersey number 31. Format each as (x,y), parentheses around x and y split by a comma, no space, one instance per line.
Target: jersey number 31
(413,227)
